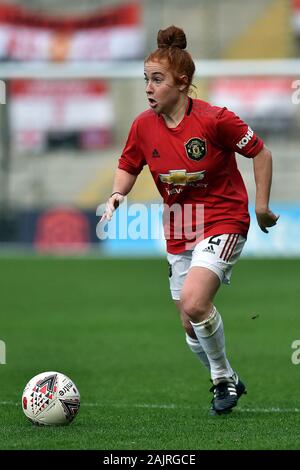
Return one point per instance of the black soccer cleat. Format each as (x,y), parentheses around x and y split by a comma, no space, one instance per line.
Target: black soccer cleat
(226,394)
(239,385)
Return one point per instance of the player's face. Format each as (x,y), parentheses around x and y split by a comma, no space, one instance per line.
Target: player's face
(162,92)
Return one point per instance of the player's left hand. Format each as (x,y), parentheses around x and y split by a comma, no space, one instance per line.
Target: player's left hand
(266,218)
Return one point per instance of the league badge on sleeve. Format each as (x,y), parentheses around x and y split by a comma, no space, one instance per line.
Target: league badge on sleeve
(195,148)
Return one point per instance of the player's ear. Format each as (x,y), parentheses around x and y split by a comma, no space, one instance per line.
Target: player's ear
(183,82)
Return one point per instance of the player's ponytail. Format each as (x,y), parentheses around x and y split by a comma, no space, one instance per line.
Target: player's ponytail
(171,43)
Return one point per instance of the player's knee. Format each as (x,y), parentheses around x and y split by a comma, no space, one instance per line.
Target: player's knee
(196,309)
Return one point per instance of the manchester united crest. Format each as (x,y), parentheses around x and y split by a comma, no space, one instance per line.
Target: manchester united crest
(196,149)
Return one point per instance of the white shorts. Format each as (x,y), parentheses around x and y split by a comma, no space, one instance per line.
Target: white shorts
(218,253)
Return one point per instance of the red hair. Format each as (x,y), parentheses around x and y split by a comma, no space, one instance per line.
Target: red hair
(171,43)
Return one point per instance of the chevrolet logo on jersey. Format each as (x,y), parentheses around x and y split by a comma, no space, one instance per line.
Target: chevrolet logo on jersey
(195,149)
(181,177)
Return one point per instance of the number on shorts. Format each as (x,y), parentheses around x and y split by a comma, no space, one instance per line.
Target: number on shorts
(215,242)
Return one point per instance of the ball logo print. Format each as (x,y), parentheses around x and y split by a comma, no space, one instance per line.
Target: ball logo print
(51,398)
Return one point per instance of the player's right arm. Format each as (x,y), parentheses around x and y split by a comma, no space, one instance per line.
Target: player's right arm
(123,183)
(130,165)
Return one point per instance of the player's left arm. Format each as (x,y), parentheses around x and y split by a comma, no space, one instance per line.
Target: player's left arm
(234,134)
(262,165)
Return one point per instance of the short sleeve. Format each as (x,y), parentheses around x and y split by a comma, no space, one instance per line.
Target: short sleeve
(132,159)
(234,134)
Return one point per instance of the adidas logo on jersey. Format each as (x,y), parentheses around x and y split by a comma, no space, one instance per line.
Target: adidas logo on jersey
(155,153)
(210,249)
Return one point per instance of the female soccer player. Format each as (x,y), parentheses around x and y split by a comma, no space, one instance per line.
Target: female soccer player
(189,146)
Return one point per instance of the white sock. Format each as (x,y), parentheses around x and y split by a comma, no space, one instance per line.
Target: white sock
(196,348)
(210,334)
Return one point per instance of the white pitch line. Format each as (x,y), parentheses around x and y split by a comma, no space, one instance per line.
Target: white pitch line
(270,410)
(170,406)
(173,406)
(135,405)
(9,403)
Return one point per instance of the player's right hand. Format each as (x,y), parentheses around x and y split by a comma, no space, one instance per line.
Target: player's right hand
(111,205)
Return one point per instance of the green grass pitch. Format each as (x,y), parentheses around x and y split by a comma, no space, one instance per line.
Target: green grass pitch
(111,326)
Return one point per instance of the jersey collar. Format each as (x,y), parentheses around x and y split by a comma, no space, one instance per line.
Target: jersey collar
(189,106)
(180,126)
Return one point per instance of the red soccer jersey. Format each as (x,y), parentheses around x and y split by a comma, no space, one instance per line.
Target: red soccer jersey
(194,164)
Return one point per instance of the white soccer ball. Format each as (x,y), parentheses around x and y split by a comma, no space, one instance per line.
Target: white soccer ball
(51,399)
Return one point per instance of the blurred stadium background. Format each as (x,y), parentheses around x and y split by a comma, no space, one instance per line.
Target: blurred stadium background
(73,76)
